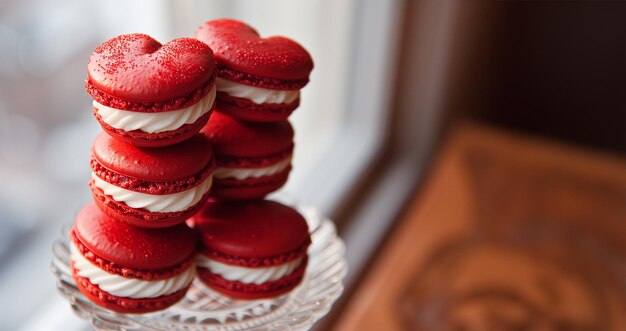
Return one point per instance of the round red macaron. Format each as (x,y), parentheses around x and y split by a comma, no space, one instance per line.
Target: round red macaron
(149,94)
(256,65)
(252,159)
(254,239)
(105,251)
(151,187)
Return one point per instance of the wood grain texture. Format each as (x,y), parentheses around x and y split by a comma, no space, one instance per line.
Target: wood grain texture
(509,233)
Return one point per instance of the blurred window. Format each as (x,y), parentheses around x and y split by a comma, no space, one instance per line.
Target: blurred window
(46,125)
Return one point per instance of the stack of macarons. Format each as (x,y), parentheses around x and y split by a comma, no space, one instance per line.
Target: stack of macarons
(131,251)
(251,247)
(195,135)
(258,87)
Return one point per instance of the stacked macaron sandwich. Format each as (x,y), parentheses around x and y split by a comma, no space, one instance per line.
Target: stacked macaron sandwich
(195,135)
(250,247)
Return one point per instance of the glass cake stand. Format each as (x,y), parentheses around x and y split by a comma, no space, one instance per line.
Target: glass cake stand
(204,309)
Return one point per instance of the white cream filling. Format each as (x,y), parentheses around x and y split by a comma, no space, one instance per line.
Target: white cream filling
(155,122)
(257,95)
(129,287)
(165,203)
(248,275)
(243,173)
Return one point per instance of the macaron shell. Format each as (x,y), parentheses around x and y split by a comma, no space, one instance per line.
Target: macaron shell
(239,46)
(151,106)
(131,246)
(141,217)
(152,140)
(124,271)
(183,160)
(254,229)
(124,305)
(249,188)
(246,291)
(138,68)
(247,110)
(236,138)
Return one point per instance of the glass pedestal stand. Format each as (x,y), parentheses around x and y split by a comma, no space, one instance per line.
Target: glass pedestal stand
(204,309)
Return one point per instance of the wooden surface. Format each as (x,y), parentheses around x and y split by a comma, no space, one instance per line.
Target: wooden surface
(509,233)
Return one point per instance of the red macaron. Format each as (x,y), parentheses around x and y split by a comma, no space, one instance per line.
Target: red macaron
(151,187)
(149,94)
(252,159)
(251,250)
(259,79)
(129,269)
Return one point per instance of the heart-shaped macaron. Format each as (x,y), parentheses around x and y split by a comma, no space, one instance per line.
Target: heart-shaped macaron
(150,94)
(259,79)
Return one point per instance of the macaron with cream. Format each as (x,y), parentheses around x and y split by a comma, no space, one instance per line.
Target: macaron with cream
(250,250)
(259,79)
(149,94)
(252,159)
(129,269)
(151,187)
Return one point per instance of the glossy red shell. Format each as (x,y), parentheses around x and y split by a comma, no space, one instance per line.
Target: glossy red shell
(175,162)
(138,68)
(238,46)
(235,138)
(251,229)
(131,246)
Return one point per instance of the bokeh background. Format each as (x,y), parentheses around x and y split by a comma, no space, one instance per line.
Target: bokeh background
(395,84)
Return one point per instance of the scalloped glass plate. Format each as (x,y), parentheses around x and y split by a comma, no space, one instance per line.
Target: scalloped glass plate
(204,309)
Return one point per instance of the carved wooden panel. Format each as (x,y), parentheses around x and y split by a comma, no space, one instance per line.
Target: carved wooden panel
(509,233)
